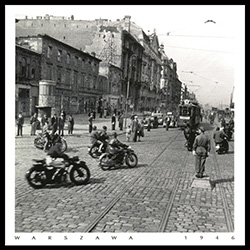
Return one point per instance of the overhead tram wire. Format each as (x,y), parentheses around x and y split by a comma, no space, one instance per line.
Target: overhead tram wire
(214,51)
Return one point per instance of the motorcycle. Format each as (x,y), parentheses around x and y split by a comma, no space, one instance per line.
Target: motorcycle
(42,174)
(110,159)
(223,147)
(40,141)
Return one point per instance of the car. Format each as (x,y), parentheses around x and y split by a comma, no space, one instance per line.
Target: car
(157,116)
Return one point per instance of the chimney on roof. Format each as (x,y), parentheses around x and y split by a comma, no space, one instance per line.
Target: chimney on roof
(127,23)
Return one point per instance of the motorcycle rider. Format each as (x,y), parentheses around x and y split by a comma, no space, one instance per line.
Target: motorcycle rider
(219,136)
(55,152)
(116,148)
(95,139)
(103,137)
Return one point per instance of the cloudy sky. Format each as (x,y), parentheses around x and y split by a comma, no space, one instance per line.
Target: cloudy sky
(209,55)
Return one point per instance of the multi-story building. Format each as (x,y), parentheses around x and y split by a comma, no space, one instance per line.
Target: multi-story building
(28,73)
(120,43)
(69,77)
(170,84)
(111,42)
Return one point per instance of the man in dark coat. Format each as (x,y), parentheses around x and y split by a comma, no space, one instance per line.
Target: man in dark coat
(135,128)
(201,149)
(54,124)
(20,121)
(113,121)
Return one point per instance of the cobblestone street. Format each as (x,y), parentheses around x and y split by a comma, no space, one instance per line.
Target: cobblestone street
(156,196)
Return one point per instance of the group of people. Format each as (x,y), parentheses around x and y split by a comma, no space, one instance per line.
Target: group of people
(55,123)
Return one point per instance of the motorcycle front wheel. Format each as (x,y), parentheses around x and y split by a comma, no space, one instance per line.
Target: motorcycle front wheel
(79,174)
(131,160)
(36,178)
(105,163)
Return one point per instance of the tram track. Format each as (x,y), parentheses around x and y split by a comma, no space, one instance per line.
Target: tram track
(229,221)
(93,223)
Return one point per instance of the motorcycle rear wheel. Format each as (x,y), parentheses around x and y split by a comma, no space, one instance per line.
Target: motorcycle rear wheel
(36,178)
(79,174)
(94,152)
(131,160)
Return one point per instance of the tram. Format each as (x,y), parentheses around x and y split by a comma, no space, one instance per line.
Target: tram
(189,112)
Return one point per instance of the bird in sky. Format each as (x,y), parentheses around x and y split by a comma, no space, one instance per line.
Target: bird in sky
(210,21)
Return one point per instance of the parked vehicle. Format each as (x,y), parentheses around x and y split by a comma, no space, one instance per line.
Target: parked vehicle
(42,174)
(39,142)
(110,159)
(157,117)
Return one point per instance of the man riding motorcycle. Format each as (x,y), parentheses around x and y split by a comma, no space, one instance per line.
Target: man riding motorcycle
(116,148)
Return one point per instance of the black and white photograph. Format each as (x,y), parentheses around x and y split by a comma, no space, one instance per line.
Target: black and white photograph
(125,125)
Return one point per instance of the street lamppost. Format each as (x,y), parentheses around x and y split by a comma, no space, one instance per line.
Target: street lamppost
(132,57)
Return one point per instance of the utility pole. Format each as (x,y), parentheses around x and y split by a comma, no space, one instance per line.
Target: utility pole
(133,56)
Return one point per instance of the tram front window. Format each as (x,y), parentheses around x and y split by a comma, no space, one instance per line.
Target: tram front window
(185,111)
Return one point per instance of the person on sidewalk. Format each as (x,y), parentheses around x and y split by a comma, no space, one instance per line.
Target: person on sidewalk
(113,121)
(54,123)
(91,118)
(33,122)
(135,128)
(70,124)
(61,122)
(20,121)
(120,120)
(201,149)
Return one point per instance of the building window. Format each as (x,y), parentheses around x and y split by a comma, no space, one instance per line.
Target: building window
(23,67)
(68,58)
(33,71)
(49,52)
(59,75)
(68,77)
(59,55)
(49,72)
(76,61)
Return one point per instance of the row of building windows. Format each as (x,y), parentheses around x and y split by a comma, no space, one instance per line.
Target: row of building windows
(77,61)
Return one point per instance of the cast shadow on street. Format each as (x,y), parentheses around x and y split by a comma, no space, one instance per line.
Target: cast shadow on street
(70,184)
(213,183)
(127,167)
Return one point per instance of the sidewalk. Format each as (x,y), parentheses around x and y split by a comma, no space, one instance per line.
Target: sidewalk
(81,125)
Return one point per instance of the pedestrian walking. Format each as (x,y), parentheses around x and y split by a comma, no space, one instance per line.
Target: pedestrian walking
(54,123)
(113,121)
(33,122)
(20,121)
(135,127)
(120,120)
(201,149)
(91,118)
(167,121)
(70,124)
(61,123)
